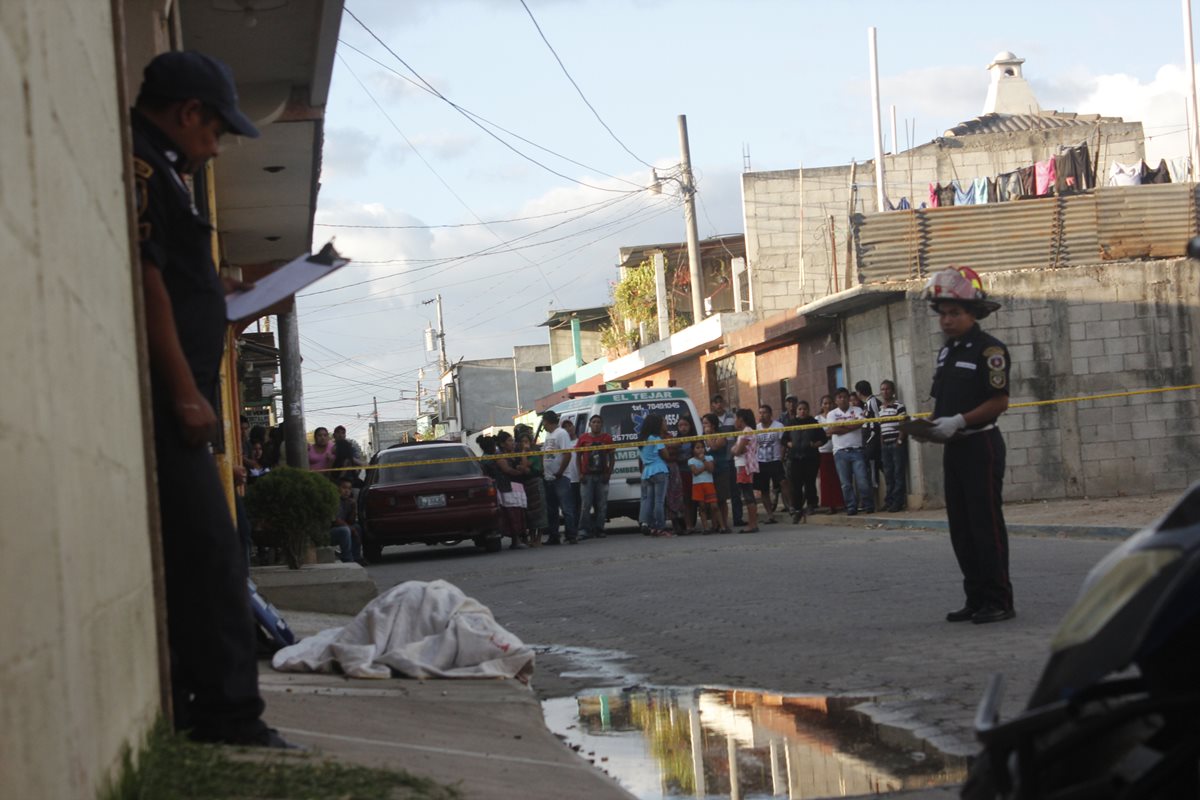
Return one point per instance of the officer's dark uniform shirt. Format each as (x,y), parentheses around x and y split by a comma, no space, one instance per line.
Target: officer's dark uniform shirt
(175,238)
(970,370)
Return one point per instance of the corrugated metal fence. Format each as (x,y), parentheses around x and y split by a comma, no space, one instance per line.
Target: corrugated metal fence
(1111,223)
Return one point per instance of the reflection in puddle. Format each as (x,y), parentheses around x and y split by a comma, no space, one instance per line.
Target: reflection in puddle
(713,743)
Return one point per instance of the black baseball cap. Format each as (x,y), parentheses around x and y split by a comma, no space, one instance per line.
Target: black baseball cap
(187,75)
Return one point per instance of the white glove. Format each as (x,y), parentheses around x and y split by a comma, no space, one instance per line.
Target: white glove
(944,428)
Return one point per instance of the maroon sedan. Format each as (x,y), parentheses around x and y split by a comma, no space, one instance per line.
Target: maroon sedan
(417,503)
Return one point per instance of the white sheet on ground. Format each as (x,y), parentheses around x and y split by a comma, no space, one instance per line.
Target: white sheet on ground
(419,629)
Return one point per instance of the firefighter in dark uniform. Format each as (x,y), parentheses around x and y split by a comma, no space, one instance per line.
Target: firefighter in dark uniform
(186,103)
(970,390)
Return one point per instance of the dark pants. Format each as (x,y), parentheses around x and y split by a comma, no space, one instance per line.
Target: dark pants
(895,464)
(804,483)
(593,505)
(852,472)
(974,472)
(214,668)
(560,497)
(735,499)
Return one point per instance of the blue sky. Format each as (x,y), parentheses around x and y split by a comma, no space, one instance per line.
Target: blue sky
(787,80)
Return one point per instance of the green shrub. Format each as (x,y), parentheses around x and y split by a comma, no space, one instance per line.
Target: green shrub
(292,509)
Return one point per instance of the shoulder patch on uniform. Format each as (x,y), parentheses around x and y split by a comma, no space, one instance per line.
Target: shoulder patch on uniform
(141,168)
(997,362)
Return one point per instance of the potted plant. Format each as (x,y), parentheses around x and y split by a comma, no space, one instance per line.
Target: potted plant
(292,509)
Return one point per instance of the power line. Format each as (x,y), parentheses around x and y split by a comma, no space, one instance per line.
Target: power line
(467,116)
(582,97)
(492,250)
(461,224)
(396,127)
(480,118)
(530,300)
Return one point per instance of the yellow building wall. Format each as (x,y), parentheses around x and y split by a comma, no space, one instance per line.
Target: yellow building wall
(78,660)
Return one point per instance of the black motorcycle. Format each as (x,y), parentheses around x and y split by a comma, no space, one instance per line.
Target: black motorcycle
(1116,713)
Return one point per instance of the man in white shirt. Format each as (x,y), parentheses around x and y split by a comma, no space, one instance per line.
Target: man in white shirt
(848,454)
(558,485)
(770,461)
(572,470)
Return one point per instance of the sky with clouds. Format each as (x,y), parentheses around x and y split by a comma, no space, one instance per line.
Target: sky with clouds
(448,114)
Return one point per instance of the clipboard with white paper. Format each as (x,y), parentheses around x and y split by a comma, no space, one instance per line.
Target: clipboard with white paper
(283,283)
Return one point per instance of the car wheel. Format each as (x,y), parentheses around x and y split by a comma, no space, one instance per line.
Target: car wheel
(493,543)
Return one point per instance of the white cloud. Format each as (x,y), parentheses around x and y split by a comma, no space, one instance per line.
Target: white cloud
(935,92)
(346,153)
(445,146)
(1157,104)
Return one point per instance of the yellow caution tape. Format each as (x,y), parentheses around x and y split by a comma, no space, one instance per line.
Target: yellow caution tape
(731,434)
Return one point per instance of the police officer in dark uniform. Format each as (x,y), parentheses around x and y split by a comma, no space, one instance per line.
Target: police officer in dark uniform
(186,103)
(970,389)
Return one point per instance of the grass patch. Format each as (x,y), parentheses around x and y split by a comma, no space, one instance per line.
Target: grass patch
(170,766)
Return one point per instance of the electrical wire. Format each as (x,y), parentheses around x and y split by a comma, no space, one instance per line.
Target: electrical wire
(460,224)
(387,116)
(467,116)
(472,256)
(486,121)
(582,96)
(531,300)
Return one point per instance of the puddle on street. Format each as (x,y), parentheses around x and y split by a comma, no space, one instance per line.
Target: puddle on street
(685,742)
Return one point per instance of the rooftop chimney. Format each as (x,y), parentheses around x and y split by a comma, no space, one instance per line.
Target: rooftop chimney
(1009,92)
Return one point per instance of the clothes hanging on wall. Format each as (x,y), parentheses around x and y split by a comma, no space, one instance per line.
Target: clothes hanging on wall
(1180,169)
(1044,177)
(1028,181)
(1125,174)
(982,192)
(933,195)
(963,195)
(946,195)
(1081,161)
(1008,186)
(1160,174)
(1065,179)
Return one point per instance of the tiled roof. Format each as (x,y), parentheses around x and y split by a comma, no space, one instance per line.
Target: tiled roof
(1011,123)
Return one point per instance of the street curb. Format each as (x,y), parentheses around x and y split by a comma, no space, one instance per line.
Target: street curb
(1018,529)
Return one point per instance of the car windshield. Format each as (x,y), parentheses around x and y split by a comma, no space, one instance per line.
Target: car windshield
(424,472)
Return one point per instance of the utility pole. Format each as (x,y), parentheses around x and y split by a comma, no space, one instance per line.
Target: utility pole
(294,439)
(375,401)
(880,195)
(689,212)
(420,377)
(1189,55)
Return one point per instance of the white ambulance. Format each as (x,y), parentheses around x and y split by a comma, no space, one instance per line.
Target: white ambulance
(622,412)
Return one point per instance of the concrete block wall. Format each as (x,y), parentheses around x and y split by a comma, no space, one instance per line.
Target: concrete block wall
(79,662)
(1073,332)
(772,199)
(787,212)
(1104,329)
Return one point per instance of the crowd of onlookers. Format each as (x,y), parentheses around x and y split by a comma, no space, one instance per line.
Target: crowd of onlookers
(696,480)
(713,479)
(719,483)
